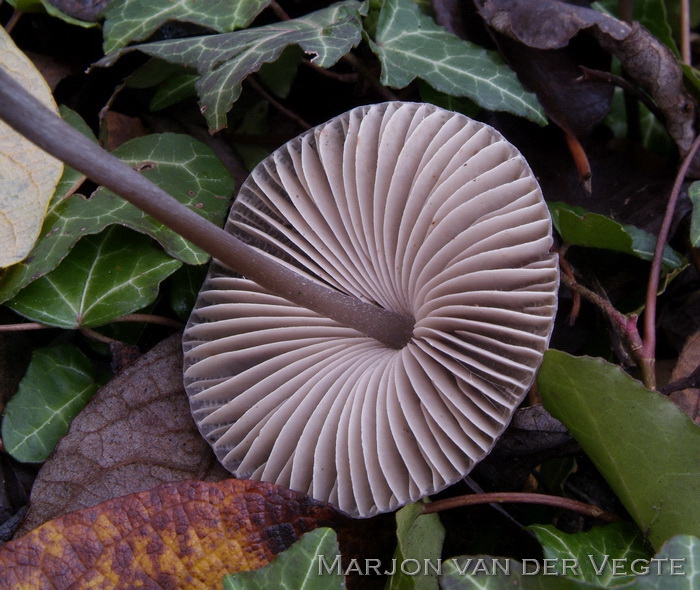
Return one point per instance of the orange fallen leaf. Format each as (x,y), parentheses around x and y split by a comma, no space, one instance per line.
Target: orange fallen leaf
(178,535)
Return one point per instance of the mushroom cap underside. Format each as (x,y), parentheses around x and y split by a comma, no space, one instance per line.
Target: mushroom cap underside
(421,211)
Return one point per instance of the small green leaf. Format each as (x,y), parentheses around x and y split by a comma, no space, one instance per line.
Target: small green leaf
(184,285)
(300,566)
(103,278)
(278,76)
(224,61)
(182,166)
(411,45)
(590,554)
(579,227)
(134,20)
(57,385)
(675,567)
(46,6)
(419,539)
(175,89)
(646,448)
(499,573)
(694,194)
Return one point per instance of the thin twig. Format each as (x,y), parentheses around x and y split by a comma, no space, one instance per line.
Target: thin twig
(25,326)
(568,270)
(583,166)
(692,381)
(13,20)
(519,498)
(94,335)
(149,318)
(684,26)
(625,10)
(624,84)
(260,89)
(649,347)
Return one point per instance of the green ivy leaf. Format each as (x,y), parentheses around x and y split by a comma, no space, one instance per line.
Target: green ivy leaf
(487,573)
(224,61)
(297,567)
(419,537)
(646,448)
(57,385)
(46,6)
(579,227)
(675,567)
(135,20)
(684,550)
(173,90)
(411,45)
(182,166)
(184,286)
(103,278)
(590,554)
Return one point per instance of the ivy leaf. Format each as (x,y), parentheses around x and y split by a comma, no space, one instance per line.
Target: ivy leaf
(104,277)
(224,61)
(493,573)
(184,285)
(182,166)
(410,44)
(590,554)
(579,227)
(674,567)
(419,539)
(131,20)
(647,449)
(58,383)
(297,567)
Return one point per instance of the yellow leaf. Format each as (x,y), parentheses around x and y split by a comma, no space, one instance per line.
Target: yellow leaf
(28,175)
(185,535)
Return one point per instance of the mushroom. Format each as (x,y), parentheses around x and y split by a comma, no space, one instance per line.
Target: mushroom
(420,211)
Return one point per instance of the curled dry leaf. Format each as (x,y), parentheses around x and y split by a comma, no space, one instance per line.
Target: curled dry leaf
(426,213)
(551,24)
(136,433)
(28,175)
(688,399)
(178,535)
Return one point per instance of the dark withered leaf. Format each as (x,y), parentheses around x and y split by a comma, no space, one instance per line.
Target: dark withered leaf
(551,24)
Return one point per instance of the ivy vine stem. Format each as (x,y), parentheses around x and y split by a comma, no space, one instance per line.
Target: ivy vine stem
(20,110)
(648,351)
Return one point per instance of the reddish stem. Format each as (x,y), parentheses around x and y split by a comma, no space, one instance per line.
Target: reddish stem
(648,350)
(519,498)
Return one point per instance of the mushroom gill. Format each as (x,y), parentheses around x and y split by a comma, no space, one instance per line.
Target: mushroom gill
(416,209)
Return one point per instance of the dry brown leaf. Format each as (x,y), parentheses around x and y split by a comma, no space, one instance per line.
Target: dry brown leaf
(28,175)
(551,24)
(136,433)
(688,399)
(120,128)
(183,535)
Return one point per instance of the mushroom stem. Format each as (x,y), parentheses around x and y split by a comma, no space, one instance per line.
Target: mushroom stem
(25,114)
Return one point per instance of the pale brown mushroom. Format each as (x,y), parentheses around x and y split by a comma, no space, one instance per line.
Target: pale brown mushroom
(421,211)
